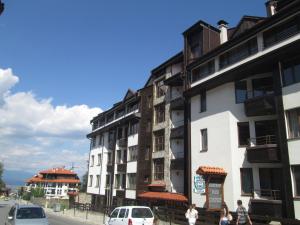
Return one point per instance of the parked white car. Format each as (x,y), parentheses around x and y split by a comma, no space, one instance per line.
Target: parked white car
(131,215)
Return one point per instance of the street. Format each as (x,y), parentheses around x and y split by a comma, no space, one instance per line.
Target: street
(53,219)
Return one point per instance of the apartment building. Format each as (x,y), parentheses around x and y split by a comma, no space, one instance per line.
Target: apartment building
(243,102)
(113,153)
(219,121)
(56,182)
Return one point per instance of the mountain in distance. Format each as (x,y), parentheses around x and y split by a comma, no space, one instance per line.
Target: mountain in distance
(16,177)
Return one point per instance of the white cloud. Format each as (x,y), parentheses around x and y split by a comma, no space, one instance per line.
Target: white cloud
(36,130)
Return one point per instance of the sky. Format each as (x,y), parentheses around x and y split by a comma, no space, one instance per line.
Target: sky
(64,61)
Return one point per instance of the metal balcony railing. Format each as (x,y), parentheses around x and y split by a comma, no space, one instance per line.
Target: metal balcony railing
(267,194)
(263,140)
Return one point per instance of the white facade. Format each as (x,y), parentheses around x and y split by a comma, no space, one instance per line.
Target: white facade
(291,100)
(220,119)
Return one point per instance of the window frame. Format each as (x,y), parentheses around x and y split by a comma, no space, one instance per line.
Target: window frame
(295,186)
(238,130)
(291,132)
(204,136)
(203,102)
(242,170)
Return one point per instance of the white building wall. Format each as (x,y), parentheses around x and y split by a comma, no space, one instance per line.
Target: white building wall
(130,194)
(220,120)
(291,100)
(133,140)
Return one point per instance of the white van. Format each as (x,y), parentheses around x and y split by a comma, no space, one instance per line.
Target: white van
(131,215)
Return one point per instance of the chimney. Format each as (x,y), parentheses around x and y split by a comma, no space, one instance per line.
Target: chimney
(271,7)
(223,31)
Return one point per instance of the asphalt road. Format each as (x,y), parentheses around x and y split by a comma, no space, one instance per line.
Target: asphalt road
(53,219)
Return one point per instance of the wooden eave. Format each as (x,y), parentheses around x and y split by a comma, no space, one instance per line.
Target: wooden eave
(200,24)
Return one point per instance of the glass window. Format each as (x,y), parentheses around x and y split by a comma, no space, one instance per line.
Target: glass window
(291,71)
(262,86)
(99,160)
(204,143)
(109,158)
(293,119)
(203,102)
(160,89)
(91,181)
(296,177)
(244,133)
(97,180)
(203,71)
(131,178)
(107,181)
(158,169)
(159,141)
(134,127)
(122,213)
(30,213)
(92,160)
(132,153)
(114,214)
(141,213)
(160,113)
(240,91)
(246,180)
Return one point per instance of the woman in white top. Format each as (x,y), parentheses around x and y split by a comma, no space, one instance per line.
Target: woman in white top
(192,214)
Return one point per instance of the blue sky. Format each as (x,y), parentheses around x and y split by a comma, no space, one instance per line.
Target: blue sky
(62,61)
(90,52)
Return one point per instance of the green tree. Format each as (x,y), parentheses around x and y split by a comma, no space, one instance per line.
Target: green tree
(38,192)
(2,184)
(84,181)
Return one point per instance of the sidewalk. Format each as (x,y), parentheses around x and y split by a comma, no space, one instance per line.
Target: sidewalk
(83,216)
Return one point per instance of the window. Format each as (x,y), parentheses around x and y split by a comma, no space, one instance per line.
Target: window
(131,178)
(95,125)
(97,180)
(281,32)
(296,178)
(99,160)
(119,157)
(101,140)
(134,127)
(117,181)
(114,214)
(291,72)
(149,101)
(107,181)
(194,44)
(244,133)
(293,121)
(238,53)
(109,158)
(91,181)
(92,160)
(93,142)
(30,213)
(132,107)
(203,101)
(203,71)
(160,113)
(158,169)
(141,213)
(246,181)
(262,86)
(270,179)
(160,89)
(159,140)
(132,153)
(204,140)
(146,178)
(240,91)
(120,113)
(109,118)
(122,213)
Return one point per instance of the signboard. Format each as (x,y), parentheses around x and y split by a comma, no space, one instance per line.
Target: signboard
(199,184)
(215,195)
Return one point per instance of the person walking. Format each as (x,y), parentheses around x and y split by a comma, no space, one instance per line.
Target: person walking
(223,218)
(192,214)
(242,214)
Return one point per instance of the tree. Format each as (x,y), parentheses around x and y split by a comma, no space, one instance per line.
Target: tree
(2,184)
(84,182)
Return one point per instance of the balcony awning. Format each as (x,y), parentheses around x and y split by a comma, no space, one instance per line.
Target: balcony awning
(167,196)
(207,170)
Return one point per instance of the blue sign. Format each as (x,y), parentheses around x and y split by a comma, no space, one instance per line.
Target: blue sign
(199,184)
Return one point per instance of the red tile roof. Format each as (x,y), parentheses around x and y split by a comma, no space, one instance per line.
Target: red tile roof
(41,180)
(58,171)
(207,170)
(163,196)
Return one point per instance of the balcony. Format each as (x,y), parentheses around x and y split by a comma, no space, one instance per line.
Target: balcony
(177,104)
(177,133)
(266,202)
(263,150)
(122,142)
(121,168)
(260,105)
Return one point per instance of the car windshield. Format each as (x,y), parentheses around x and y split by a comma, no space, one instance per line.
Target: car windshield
(141,213)
(30,213)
